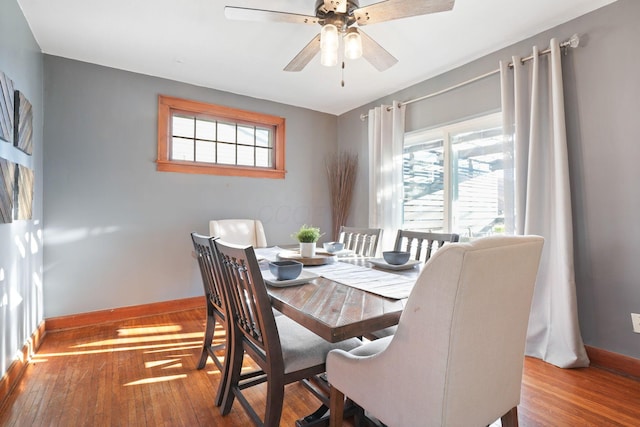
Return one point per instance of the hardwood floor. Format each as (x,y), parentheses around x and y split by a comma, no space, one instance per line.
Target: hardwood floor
(141,372)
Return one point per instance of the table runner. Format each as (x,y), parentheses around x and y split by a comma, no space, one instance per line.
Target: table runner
(390,285)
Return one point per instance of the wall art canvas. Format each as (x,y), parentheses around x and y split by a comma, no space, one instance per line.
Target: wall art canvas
(23,123)
(24,200)
(6,107)
(7,180)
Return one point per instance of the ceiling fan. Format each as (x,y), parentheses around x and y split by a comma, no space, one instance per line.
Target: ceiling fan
(343,18)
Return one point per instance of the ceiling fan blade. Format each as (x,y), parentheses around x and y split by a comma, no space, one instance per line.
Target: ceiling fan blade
(396,9)
(246,14)
(375,54)
(305,55)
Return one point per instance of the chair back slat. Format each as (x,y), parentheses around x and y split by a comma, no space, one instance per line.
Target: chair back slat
(246,314)
(363,241)
(417,242)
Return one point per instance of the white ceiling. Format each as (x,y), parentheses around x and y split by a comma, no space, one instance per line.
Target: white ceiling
(192,41)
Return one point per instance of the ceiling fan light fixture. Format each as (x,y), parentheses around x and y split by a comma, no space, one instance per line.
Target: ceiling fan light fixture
(352,44)
(329,57)
(336,17)
(329,39)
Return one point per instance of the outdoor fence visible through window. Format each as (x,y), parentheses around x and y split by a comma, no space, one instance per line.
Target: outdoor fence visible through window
(458,178)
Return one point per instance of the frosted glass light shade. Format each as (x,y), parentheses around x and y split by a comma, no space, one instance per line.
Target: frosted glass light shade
(329,57)
(352,44)
(329,39)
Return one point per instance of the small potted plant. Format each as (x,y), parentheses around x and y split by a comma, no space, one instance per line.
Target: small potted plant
(307,236)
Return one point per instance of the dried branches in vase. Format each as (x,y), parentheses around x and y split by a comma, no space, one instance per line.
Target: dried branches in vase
(341,171)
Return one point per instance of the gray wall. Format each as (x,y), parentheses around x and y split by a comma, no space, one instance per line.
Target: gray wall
(116,230)
(602,101)
(21,241)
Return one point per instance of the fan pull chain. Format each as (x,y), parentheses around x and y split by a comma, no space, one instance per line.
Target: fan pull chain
(342,82)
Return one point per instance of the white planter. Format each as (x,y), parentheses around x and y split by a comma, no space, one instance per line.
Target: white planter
(307,250)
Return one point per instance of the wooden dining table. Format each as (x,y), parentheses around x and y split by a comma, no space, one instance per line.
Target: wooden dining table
(336,312)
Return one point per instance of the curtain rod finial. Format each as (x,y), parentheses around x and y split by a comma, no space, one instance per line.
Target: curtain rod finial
(574,41)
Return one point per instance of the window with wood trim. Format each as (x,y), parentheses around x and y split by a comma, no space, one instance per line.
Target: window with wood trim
(196,137)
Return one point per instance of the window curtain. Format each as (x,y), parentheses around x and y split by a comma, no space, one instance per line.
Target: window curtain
(386,191)
(533,114)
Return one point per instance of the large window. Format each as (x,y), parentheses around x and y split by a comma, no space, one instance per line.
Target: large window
(194,137)
(458,178)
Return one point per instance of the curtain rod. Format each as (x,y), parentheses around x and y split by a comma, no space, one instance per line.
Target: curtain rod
(572,42)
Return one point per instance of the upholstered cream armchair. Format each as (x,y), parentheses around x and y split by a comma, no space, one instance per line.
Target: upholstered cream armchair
(457,356)
(239,231)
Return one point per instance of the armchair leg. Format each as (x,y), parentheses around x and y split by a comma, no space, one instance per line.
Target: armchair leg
(359,419)
(336,407)
(510,419)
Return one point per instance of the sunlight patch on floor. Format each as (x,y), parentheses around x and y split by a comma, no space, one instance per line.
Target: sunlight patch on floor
(188,347)
(146,338)
(156,380)
(147,330)
(174,366)
(167,347)
(156,363)
(174,356)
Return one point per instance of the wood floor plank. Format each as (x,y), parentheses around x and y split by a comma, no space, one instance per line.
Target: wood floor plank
(142,372)
(577,397)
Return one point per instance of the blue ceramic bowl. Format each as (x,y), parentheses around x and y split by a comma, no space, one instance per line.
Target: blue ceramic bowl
(285,270)
(396,257)
(333,247)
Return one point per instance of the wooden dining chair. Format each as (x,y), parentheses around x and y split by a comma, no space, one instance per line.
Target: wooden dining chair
(457,357)
(284,350)
(422,244)
(363,241)
(208,262)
